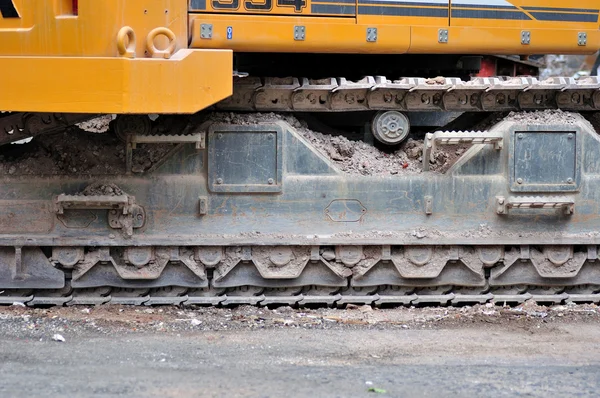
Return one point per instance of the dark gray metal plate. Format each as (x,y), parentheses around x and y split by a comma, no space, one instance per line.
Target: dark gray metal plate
(245,158)
(544,161)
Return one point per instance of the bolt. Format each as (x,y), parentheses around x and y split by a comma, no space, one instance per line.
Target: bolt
(569,181)
(519,181)
(520,136)
(219,181)
(570,136)
(270,181)
(501,201)
(219,135)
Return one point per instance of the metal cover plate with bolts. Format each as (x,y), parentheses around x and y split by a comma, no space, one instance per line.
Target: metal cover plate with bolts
(542,160)
(245,158)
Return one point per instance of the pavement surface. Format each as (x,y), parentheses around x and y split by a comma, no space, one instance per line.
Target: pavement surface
(481,351)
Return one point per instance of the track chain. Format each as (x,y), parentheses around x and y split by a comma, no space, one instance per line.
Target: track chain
(301,299)
(489,94)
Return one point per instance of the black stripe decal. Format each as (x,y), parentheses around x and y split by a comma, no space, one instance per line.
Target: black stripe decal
(560,9)
(488,14)
(332,9)
(403,11)
(565,17)
(8,9)
(198,5)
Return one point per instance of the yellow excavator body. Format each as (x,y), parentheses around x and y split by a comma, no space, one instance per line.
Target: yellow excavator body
(177,56)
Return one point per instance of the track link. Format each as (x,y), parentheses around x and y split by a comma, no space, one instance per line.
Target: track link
(412,94)
(302,300)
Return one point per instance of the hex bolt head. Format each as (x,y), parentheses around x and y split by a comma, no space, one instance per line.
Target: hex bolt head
(219,181)
(519,181)
(270,181)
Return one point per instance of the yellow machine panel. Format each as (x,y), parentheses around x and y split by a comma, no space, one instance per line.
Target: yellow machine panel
(113,56)
(432,27)
(176,56)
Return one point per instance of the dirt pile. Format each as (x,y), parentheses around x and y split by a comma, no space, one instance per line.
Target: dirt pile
(549,116)
(76,153)
(98,124)
(100,189)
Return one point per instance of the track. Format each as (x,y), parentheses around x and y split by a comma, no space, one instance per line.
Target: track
(446,275)
(143,297)
(412,94)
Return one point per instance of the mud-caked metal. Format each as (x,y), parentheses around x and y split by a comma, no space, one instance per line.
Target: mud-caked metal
(259,214)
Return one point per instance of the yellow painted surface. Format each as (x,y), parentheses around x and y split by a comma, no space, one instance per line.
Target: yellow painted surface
(44,30)
(53,59)
(190,81)
(324,35)
(256,33)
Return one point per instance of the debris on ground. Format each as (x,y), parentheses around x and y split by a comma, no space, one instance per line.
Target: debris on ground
(110,319)
(58,337)
(377,390)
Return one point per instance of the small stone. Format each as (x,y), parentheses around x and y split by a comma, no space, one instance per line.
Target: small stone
(196,322)
(59,338)
(328,255)
(413,153)
(281,321)
(12,170)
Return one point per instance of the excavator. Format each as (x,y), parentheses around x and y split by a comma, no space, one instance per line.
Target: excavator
(297,152)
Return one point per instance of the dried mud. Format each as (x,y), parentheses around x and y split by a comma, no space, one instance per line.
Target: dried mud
(75,152)
(100,124)
(100,189)
(549,116)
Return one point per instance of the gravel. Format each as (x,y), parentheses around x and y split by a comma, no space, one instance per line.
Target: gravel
(548,116)
(45,323)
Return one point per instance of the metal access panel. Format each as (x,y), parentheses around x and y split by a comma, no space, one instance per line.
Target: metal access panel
(542,160)
(245,159)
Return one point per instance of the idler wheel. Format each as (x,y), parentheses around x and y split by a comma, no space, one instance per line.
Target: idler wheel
(390,127)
